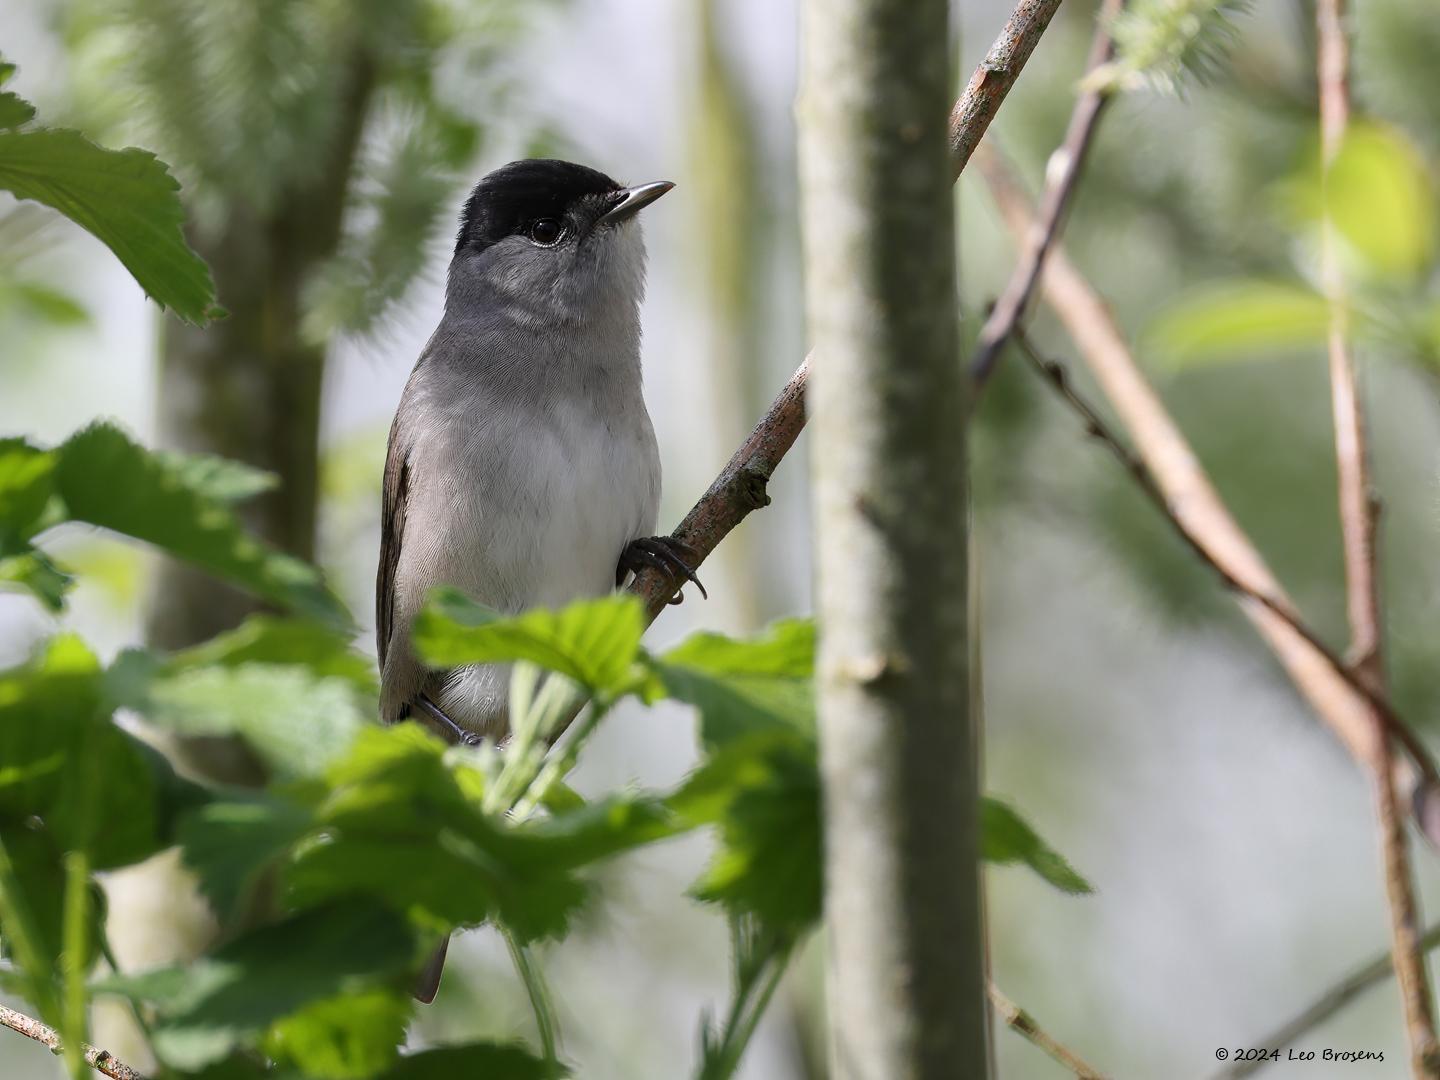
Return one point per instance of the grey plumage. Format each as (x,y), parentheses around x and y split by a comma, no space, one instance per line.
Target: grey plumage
(522,460)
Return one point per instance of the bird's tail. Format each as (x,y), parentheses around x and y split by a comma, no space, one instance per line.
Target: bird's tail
(429,981)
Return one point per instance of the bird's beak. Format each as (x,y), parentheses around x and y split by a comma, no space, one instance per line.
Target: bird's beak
(630,201)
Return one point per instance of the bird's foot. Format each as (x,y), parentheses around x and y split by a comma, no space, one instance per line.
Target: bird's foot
(456,732)
(663,553)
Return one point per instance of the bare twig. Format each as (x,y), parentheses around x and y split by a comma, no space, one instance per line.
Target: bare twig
(1054,373)
(740,487)
(1061,176)
(1323,1008)
(1025,1025)
(1333,691)
(993,78)
(99,1060)
(1357,524)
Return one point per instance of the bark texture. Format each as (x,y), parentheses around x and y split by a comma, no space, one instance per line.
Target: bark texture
(906,975)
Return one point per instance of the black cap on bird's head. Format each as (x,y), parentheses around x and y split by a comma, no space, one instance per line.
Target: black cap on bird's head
(546,202)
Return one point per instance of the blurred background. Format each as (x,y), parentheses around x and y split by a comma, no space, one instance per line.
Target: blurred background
(325,148)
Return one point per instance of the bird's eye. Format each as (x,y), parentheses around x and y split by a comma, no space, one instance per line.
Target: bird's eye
(545,231)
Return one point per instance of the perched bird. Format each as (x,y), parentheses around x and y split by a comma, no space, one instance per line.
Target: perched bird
(522,466)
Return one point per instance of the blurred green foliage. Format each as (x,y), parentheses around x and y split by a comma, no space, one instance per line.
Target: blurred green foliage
(127,198)
(334,882)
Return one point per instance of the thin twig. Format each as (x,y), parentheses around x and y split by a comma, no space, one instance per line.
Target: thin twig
(1025,1025)
(1323,1008)
(994,77)
(1055,374)
(99,1060)
(1061,176)
(1333,691)
(1358,524)
(740,487)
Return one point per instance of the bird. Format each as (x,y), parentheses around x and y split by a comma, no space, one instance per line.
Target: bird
(522,466)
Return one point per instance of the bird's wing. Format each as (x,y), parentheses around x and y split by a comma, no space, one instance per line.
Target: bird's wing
(392,532)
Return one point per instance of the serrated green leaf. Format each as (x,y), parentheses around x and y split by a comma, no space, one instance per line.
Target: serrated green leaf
(50,709)
(15,111)
(1005,837)
(1240,320)
(211,1005)
(32,570)
(266,639)
(397,825)
(762,790)
(595,642)
(493,1061)
(296,723)
(230,843)
(26,487)
(106,479)
(744,686)
(350,1037)
(216,477)
(126,198)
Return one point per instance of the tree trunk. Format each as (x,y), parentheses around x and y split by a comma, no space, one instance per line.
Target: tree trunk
(902,899)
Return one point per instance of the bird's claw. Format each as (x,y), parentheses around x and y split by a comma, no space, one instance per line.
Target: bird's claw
(663,553)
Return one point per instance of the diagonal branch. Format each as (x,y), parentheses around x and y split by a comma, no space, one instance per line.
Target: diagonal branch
(1357,525)
(1055,374)
(740,487)
(1335,693)
(1061,176)
(1025,1025)
(99,1060)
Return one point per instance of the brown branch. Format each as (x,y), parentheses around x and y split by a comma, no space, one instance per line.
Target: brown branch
(1062,174)
(740,487)
(1323,1008)
(1025,1025)
(99,1060)
(993,78)
(1055,374)
(1334,692)
(1357,525)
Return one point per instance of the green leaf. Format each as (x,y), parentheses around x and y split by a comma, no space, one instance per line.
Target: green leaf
(265,639)
(763,792)
(216,477)
(42,301)
(296,723)
(230,843)
(398,825)
(26,487)
(744,686)
(1240,320)
(350,1037)
(1005,837)
(126,198)
(14,110)
(50,709)
(108,480)
(492,1061)
(1381,196)
(32,570)
(39,876)
(209,1006)
(594,642)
